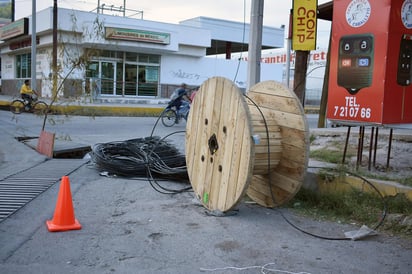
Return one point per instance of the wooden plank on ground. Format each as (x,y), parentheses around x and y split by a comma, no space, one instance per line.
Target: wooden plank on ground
(45,143)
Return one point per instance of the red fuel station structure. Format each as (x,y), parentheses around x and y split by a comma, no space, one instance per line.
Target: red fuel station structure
(370,67)
(370,78)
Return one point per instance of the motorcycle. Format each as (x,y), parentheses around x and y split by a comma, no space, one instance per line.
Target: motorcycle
(175,111)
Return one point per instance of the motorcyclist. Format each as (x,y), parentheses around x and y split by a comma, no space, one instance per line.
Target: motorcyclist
(180,100)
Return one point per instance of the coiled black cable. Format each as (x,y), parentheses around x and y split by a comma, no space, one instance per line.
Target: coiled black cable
(134,157)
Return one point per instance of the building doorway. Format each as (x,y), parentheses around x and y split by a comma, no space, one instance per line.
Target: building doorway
(108,78)
(130,87)
(126,74)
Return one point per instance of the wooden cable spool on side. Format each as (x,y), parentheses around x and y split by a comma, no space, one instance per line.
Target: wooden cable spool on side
(227,151)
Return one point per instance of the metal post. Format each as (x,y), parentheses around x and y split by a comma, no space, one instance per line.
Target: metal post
(54,59)
(370,148)
(33,45)
(360,144)
(288,50)
(389,148)
(346,145)
(124,8)
(13,9)
(376,147)
(361,147)
(255,43)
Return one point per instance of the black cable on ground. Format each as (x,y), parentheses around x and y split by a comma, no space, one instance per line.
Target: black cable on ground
(384,211)
(132,158)
(165,169)
(151,157)
(157,122)
(383,214)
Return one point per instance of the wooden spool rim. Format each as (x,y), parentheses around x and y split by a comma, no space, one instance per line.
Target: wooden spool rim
(281,104)
(219,149)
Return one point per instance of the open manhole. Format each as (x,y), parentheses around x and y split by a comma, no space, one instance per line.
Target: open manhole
(62,149)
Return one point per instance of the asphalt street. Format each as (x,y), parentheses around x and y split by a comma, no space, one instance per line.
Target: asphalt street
(129,227)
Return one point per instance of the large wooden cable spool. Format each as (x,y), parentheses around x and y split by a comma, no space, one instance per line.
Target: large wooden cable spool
(231,149)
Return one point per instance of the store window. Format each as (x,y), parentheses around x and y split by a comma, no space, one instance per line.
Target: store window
(125,74)
(149,58)
(131,56)
(110,54)
(23,66)
(148,80)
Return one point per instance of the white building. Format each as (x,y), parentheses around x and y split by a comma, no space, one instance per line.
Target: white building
(315,73)
(127,57)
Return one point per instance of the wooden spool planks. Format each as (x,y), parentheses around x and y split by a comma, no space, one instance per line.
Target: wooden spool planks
(279,104)
(268,133)
(219,148)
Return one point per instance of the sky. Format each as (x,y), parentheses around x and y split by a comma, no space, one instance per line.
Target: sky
(276,12)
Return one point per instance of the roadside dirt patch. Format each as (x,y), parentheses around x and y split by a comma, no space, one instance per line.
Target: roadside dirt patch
(397,167)
(375,163)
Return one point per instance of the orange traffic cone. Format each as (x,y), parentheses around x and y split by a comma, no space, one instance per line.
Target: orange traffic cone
(63,218)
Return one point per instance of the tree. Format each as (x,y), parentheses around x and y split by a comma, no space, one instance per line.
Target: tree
(72,58)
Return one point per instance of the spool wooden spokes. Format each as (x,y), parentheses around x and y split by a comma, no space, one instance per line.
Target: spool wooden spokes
(236,145)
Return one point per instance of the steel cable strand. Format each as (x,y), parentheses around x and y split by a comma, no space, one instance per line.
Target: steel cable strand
(163,190)
(384,204)
(116,159)
(127,161)
(157,120)
(164,153)
(161,166)
(173,159)
(183,175)
(169,170)
(166,165)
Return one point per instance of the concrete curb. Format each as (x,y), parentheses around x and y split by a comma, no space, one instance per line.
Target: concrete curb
(108,110)
(101,110)
(4,103)
(386,188)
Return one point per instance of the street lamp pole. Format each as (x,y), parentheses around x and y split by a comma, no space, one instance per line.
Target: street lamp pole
(33,45)
(255,43)
(54,59)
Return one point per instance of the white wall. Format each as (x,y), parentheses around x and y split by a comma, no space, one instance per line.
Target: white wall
(8,67)
(87,23)
(194,71)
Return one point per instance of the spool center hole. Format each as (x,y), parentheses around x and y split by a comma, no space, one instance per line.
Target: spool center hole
(213,145)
